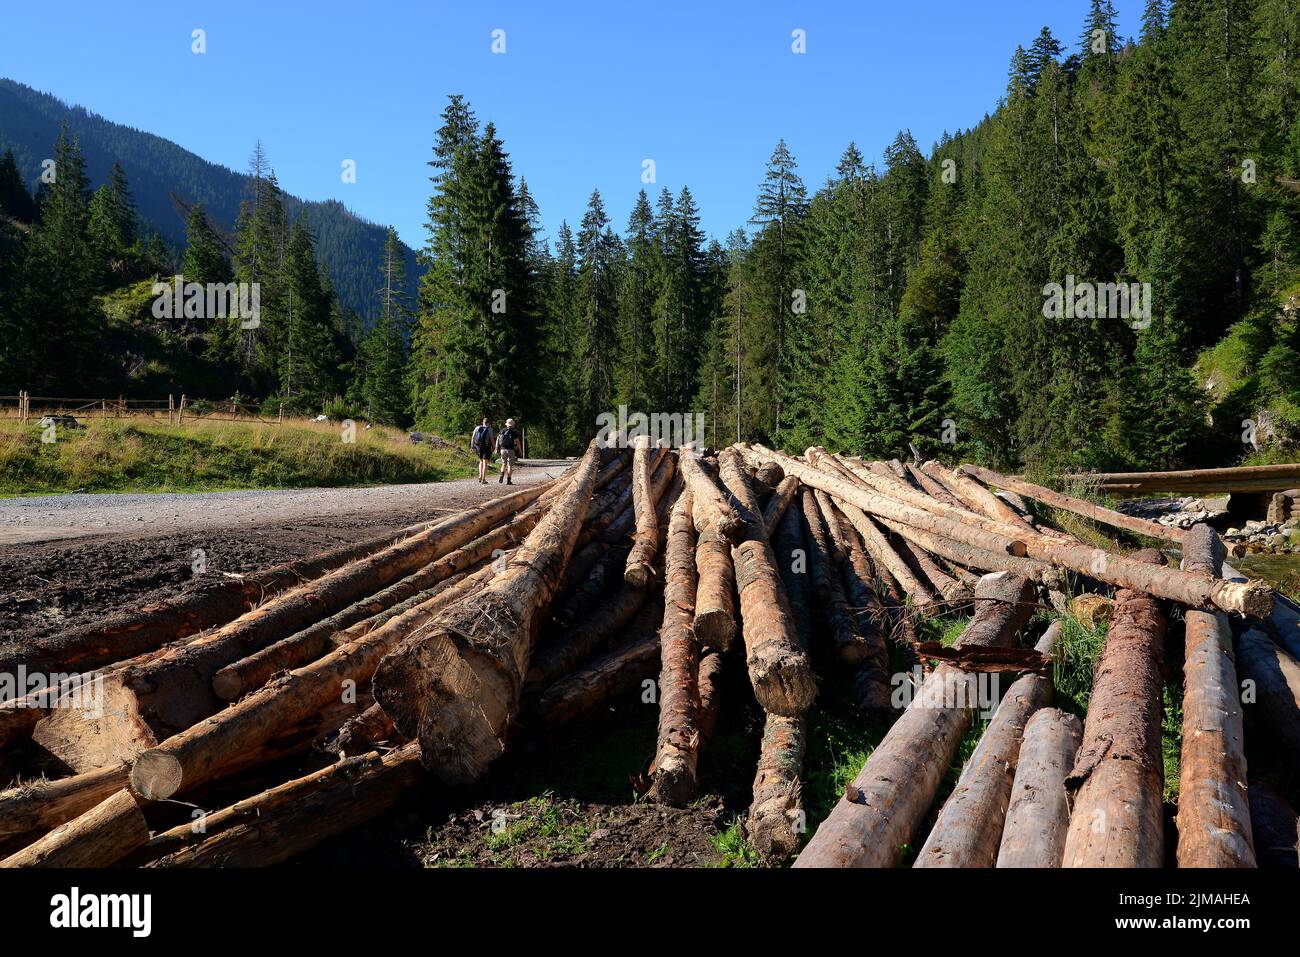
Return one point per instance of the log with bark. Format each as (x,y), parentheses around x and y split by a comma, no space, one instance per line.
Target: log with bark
(1191,589)
(968,830)
(778,666)
(776,818)
(711,506)
(871,682)
(872,824)
(782,496)
(561,650)
(607,676)
(1213,805)
(97,838)
(1038,815)
(295,816)
(1118,776)
(677,747)
(838,621)
(456,686)
(1068,503)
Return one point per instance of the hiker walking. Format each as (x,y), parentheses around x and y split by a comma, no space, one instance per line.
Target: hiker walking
(482,442)
(508,446)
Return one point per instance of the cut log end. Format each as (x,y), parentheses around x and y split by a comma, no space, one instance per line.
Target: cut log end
(674,783)
(1253,598)
(228,685)
(715,628)
(156,775)
(639,575)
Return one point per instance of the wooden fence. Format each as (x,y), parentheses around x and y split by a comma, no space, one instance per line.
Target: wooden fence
(26,407)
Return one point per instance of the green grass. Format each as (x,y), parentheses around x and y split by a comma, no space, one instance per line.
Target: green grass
(552,828)
(733,847)
(144,455)
(1077,650)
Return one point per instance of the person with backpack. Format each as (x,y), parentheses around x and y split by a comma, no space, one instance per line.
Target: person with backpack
(482,442)
(508,446)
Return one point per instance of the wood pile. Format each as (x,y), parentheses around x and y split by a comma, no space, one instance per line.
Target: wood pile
(292,705)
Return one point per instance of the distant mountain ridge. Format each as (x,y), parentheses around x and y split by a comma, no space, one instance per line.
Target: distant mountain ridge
(157,168)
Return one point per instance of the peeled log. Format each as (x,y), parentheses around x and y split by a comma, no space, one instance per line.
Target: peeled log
(778,665)
(976,497)
(969,827)
(1194,590)
(1117,820)
(456,687)
(715,604)
(645,544)
(710,504)
(678,743)
(1068,503)
(1038,815)
(791,550)
(776,815)
(986,534)
(98,838)
(782,496)
(971,557)
(1213,805)
(933,487)
(877,817)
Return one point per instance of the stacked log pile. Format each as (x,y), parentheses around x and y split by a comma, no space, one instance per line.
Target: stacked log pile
(415,660)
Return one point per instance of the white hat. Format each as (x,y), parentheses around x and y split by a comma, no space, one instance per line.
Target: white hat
(510,422)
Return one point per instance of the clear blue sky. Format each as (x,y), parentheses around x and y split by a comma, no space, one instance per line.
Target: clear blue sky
(584,92)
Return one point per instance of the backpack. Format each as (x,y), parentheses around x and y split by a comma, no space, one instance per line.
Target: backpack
(481,437)
(508,440)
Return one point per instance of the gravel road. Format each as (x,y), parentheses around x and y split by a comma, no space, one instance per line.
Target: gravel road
(67,558)
(51,518)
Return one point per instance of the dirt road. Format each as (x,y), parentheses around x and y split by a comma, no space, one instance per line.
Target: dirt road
(68,557)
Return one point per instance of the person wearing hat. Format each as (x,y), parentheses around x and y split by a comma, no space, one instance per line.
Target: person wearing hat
(508,446)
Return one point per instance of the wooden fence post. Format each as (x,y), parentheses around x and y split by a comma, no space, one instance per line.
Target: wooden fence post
(180,420)
(171,407)
(280,421)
